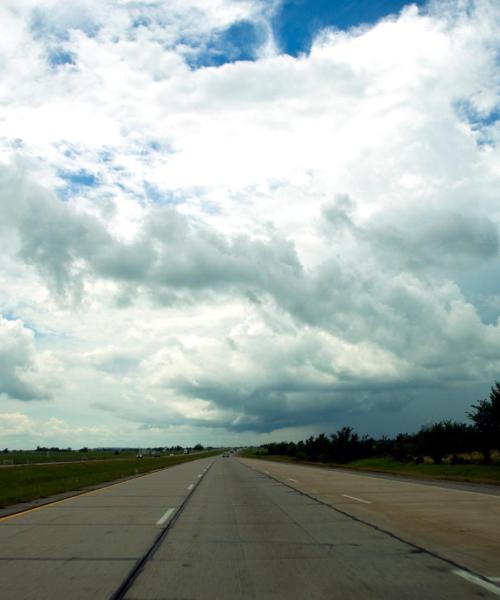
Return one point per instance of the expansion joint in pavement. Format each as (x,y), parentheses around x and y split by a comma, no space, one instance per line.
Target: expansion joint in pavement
(489,583)
(127,583)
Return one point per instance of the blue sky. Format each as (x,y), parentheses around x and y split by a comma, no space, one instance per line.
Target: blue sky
(297,22)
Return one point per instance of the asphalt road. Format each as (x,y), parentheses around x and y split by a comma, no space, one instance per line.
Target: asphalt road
(237,534)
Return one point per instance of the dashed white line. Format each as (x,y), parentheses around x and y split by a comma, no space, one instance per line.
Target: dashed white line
(165,516)
(200,475)
(494,589)
(358,499)
(190,487)
(294,480)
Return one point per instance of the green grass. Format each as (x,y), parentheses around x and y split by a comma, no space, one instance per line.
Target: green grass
(469,472)
(25,483)
(26,457)
(247,453)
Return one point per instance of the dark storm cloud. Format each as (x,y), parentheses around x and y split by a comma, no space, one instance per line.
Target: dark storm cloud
(289,404)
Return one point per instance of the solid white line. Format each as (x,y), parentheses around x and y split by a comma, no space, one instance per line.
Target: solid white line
(358,499)
(494,589)
(294,480)
(165,516)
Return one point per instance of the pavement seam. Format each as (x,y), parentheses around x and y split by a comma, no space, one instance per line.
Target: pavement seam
(136,570)
(451,562)
(290,516)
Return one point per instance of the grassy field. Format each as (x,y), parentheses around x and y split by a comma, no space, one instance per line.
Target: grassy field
(29,457)
(25,483)
(468,472)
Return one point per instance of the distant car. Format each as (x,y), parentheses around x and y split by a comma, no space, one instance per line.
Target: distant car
(225,455)
(138,455)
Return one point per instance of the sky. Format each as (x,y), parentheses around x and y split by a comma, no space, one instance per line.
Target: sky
(237,221)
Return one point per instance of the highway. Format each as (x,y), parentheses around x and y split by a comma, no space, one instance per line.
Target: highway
(458,521)
(221,529)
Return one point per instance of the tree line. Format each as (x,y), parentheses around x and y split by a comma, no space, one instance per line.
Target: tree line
(445,439)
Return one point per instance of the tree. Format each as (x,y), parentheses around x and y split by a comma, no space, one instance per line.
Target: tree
(345,445)
(403,447)
(317,448)
(443,438)
(486,418)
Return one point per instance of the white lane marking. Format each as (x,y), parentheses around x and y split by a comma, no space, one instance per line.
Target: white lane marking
(266,472)
(494,589)
(420,485)
(294,480)
(165,516)
(200,475)
(358,499)
(190,487)
(494,578)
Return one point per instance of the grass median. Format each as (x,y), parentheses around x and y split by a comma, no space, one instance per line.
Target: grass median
(29,457)
(31,482)
(473,473)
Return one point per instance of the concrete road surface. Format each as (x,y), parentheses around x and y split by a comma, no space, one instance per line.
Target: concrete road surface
(246,536)
(85,546)
(239,535)
(458,521)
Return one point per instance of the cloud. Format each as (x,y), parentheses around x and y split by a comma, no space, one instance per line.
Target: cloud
(170,251)
(24,373)
(417,239)
(113,359)
(255,245)
(19,425)
(270,371)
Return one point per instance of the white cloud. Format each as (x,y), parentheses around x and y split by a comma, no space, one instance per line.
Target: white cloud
(24,373)
(256,245)
(15,423)
(113,359)
(55,431)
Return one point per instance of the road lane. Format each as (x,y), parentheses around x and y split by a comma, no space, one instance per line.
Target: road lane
(243,535)
(462,525)
(85,546)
